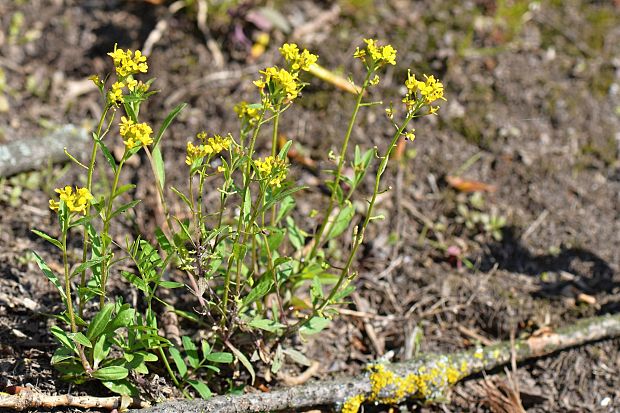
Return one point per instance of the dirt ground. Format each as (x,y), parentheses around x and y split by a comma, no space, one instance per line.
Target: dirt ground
(533,110)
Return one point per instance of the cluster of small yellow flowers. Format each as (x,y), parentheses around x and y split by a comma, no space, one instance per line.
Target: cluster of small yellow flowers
(273,169)
(379,55)
(208,147)
(296,59)
(279,81)
(135,134)
(128,62)
(75,201)
(136,86)
(115,94)
(430,90)
(247,112)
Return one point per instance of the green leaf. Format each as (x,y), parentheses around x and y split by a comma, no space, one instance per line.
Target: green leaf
(173,114)
(220,357)
(266,324)
(50,275)
(201,388)
(111,373)
(47,238)
(170,284)
(275,238)
(158,166)
(100,351)
(205,347)
(313,326)
(295,235)
(124,318)
(297,356)
(286,205)
(62,337)
(278,360)
(342,221)
(178,360)
(316,291)
(345,292)
(80,339)
(135,280)
(124,208)
(259,290)
(123,189)
(163,241)
(244,360)
(61,354)
(85,265)
(99,322)
(191,351)
(123,387)
(285,148)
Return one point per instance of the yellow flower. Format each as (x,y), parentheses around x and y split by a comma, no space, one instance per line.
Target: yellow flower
(272,169)
(379,55)
(279,82)
(210,146)
(128,62)
(75,202)
(296,60)
(425,92)
(135,134)
(115,94)
(131,84)
(247,112)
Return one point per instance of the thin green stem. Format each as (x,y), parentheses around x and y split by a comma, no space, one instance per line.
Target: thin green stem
(337,177)
(106,230)
(89,185)
(359,236)
(241,218)
(274,151)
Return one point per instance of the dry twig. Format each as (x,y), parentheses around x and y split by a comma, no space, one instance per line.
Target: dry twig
(28,399)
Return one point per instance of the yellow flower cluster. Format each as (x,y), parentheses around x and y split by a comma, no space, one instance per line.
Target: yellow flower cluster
(279,81)
(128,62)
(430,90)
(379,55)
(135,134)
(75,201)
(115,94)
(296,59)
(273,169)
(247,112)
(209,147)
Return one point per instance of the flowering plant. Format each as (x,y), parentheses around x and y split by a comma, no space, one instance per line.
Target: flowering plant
(256,275)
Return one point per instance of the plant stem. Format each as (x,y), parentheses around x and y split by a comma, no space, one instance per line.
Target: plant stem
(274,151)
(105,237)
(341,159)
(89,185)
(246,185)
(357,241)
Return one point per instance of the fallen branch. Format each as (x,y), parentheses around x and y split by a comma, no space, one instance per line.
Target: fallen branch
(28,399)
(427,377)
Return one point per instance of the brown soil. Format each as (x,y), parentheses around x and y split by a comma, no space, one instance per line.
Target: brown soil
(533,109)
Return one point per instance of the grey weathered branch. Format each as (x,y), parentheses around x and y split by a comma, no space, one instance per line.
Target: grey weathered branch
(23,155)
(435,371)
